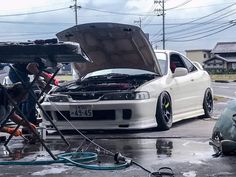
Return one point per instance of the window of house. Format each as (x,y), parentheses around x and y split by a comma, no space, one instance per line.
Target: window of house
(204,55)
(233,65)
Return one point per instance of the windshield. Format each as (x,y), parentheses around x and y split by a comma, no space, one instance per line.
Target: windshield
(118,71)
(162,60)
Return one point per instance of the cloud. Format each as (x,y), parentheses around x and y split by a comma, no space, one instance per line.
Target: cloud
(192,10)
(139,5)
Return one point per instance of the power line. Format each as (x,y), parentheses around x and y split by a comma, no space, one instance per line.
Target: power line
(170,24)
(27,34)
(201,32)
(205,16)
(210,21)
(197,26)
(34,23)
(148,19)
(117,13)
(193,39)
(216,30)
(32,13)
(209,5)
(180,5)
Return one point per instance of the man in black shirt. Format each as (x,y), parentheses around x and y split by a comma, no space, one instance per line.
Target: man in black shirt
(18,94)
(20,73)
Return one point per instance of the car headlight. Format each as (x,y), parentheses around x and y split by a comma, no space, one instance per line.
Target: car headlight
(58,98)
(126,96)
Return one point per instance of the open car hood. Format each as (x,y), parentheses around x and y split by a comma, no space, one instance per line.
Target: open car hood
(111,45)
(26,52)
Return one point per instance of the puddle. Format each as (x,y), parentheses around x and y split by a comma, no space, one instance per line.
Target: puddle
(142,150)
(51,170)
(189,174)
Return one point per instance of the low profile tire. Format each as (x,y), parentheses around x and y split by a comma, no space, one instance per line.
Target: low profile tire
(208,104)
(164,112)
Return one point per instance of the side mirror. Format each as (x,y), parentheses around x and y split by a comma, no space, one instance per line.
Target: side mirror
(180,71)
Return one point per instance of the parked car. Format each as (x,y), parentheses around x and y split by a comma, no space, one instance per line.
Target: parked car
(224,132)
(4,69)
(128,85)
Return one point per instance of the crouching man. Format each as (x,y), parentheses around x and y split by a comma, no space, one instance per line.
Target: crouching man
(18,94)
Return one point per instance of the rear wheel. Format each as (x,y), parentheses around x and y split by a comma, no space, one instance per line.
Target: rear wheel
(164,112)
(208,104)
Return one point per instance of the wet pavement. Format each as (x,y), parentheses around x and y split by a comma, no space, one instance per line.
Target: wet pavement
(184,148)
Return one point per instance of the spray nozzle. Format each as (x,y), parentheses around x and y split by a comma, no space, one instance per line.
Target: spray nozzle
(119,158)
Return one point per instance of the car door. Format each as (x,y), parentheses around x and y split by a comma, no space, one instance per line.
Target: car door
(182,87)
(198,84)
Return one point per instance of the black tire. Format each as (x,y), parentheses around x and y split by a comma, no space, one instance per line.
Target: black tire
(208,104)
(164,112)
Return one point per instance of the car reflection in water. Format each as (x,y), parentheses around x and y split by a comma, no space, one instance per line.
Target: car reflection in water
(164,147)
(19,151)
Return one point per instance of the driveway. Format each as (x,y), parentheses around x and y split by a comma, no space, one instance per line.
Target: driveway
(184,148)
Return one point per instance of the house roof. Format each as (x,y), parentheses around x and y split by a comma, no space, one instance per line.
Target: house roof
(227,59)
(198,50)
(224,47)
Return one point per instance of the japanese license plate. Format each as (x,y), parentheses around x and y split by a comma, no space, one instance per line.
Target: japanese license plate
(81,111)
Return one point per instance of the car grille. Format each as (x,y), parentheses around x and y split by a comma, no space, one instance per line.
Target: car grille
(97,115)
(86,96)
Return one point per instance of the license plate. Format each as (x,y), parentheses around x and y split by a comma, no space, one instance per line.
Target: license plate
(81,111)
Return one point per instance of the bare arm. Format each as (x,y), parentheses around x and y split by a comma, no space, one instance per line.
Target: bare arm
(18,120)
(33,68)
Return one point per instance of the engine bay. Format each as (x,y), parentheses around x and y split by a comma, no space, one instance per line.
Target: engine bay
(96,87)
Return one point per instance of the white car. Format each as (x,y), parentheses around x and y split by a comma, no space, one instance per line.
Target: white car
(128,85)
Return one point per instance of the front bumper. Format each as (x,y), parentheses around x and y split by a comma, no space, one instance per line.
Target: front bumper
(132,114)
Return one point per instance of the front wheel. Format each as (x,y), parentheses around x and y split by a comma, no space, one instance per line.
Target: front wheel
(164,112)
(208,104)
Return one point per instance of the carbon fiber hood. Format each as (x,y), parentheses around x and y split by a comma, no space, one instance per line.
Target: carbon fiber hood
(111,45)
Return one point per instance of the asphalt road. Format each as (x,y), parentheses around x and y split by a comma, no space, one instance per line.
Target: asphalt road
(224,89)
(184,148)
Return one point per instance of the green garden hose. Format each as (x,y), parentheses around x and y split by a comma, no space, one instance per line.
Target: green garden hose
(75,159)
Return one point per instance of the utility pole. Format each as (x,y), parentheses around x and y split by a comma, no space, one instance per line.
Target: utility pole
(76,12)
(76,7)
(139,22)
(161,12)
(163,25)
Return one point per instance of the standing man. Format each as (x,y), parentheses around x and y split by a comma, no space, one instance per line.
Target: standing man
(21,72)
(18,94)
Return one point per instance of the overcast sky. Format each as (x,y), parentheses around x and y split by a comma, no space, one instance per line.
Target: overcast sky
(190,24)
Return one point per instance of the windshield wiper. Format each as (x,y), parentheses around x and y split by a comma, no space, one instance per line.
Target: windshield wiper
(107,76)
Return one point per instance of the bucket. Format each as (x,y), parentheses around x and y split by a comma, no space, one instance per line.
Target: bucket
(42,131)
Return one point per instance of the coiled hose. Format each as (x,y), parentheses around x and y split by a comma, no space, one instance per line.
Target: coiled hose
(80,159)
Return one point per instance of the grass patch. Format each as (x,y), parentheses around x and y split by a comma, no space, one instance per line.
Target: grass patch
(220,98)
(64,77)
(227,77)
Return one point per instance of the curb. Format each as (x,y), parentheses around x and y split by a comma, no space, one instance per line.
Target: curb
(222,81)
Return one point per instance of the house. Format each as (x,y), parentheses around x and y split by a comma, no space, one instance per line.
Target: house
(198,55)
(223,57)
